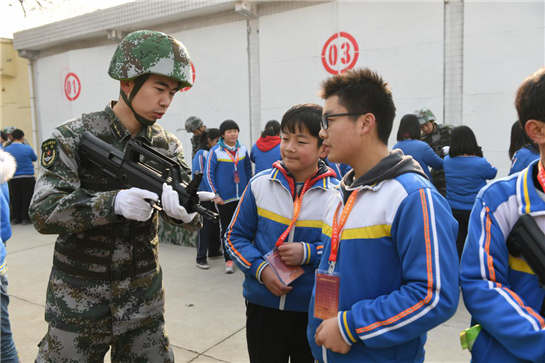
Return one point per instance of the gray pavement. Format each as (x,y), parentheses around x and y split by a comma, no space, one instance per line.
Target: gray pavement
(205,313)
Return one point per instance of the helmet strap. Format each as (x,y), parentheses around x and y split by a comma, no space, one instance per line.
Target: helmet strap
(138,83)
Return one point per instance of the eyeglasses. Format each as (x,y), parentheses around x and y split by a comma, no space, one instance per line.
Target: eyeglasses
(325,121)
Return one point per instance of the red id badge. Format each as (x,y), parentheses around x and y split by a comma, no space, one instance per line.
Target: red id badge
(286,274)
(326,300)
(236,177)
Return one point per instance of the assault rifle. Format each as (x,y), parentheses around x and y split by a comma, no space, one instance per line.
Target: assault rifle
(527,240)
(130,170)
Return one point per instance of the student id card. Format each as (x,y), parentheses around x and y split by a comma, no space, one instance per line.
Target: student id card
(236,176)
(286,274)
(326,299)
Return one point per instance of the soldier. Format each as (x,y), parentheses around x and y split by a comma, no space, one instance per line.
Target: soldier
(438,137)
(8,131)
(195,125)
(105,288)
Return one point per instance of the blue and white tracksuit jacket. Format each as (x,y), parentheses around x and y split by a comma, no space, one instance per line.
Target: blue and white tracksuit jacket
(199,165)
(220,170)
(398,270)
(522,158)
(263,214)
(500,291)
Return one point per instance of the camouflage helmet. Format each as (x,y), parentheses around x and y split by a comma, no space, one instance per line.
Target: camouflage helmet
(9,129)
(193,123)
(424,116)
(151,52)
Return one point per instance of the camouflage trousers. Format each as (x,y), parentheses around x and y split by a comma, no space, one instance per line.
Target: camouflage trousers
(146,344)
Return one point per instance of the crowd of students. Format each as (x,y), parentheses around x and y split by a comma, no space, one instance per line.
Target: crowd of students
(330,206)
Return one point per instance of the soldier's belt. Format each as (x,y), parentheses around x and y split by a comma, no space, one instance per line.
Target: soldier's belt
(108,275)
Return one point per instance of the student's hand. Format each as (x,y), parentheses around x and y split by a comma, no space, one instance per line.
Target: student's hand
(291,253)
(219,201)
(273,283)
(329,336)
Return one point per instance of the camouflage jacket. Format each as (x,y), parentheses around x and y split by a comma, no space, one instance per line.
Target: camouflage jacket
(195,141)
(66,203)
(439,137)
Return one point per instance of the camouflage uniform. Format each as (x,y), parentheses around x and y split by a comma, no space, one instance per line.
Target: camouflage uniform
(9,130)
(93,238)
(106,286)
(437,139)
(191,124)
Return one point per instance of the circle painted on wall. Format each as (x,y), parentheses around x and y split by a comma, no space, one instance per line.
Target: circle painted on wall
(340,53)
(194,75)
(72,86)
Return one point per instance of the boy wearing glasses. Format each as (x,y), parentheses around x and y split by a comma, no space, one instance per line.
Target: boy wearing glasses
(389,271)
(275,239)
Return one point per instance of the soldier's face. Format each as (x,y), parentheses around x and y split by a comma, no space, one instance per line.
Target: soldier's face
(427,127)
(155,96)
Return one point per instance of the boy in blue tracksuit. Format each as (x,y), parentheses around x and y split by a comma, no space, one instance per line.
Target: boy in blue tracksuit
(228,170)
(282,207)
(389,271)
(501,291)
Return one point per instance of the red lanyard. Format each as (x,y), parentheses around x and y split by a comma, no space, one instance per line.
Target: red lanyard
(338,226)
(233,158)
(296,210)
(541,175)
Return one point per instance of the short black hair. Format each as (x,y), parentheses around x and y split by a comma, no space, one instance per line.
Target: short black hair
(272,128)
(529,100)
(4,135)
(228,125)
(464,142)
(519,139)
(17,134)
(211,134)
(363,91)
(409,128)
(306,116)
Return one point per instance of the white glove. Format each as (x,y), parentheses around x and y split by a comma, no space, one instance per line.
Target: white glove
(206,196)
(446,149)
(132,204)
(172,207)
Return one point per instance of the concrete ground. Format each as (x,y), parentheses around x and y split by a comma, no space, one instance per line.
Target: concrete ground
(205,313)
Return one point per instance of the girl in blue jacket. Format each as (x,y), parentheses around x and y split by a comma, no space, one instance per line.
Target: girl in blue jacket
(266,150)
(466,172)
(522,150)
(408,141)
(228,170)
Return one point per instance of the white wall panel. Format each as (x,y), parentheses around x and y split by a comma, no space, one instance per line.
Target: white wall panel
(221,85)
(97,88)
(409,57)
(290,54)
(504,44)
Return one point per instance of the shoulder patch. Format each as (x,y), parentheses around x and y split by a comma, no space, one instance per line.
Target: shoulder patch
(50,152)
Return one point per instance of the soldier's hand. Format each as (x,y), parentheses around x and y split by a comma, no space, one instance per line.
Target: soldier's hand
(206,196)
(172,207)
(134,204)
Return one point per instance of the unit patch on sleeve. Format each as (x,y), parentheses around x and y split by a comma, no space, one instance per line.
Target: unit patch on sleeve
(50,152)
